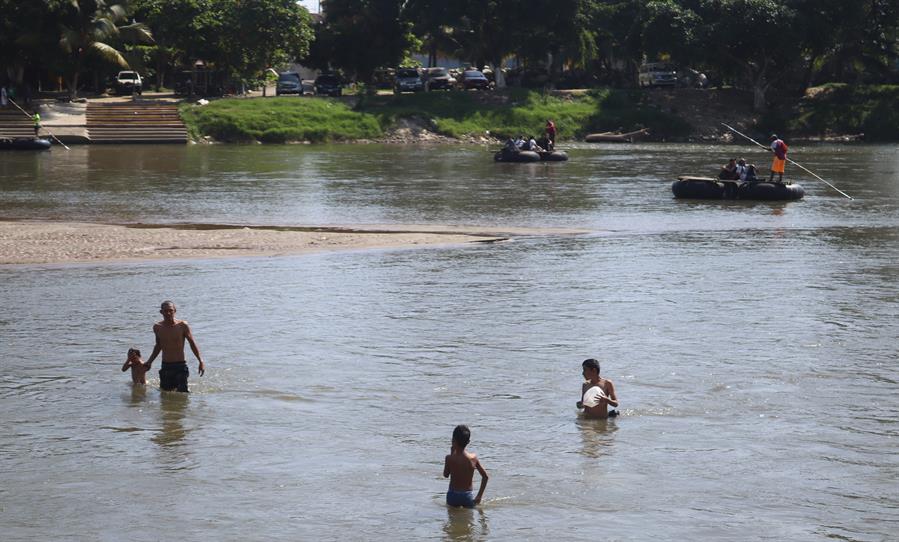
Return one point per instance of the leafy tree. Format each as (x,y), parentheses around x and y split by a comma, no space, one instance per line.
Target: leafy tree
(762,55)
(360,36)
(848,41)
(618,28)
(180,27)
(563,29)
(28,30)
(88,27)
(260,34)
(433,22)
(488,30)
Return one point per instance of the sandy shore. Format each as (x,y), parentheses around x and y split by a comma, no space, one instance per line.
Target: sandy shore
(26,242)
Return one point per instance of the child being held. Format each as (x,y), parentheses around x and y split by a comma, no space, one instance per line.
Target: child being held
(459,467)
(138,367)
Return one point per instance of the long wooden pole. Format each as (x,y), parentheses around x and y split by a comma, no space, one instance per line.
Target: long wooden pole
(48,131)
(731,128)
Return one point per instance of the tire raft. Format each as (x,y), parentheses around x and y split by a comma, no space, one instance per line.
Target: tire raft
(553,156)
(520,156)
(709,188)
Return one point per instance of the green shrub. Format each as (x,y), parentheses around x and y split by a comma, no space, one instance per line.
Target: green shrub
(849,109)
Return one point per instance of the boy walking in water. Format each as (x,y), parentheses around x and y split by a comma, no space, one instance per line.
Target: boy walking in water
(170,337)
(597,393)
(138,367)
(459,467)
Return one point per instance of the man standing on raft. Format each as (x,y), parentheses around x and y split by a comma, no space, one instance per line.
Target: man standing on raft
(170,336)
(780,158)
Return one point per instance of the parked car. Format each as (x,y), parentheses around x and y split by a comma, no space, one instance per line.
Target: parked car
(408,80)
(439,79)
(657,74)
(474,79)
(289,83)
(128,82)
(328,84)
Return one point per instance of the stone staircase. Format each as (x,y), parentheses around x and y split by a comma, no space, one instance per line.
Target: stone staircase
(135,122)
(14,123)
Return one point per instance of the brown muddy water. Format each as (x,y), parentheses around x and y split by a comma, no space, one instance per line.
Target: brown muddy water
(753,347)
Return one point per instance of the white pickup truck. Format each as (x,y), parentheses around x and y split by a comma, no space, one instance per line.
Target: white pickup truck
(128,82)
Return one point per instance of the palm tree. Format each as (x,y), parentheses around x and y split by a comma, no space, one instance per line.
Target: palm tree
(88,30)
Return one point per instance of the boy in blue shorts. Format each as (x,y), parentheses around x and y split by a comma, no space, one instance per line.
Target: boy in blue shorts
(459,467)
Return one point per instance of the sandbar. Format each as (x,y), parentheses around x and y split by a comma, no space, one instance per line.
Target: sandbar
(43,242)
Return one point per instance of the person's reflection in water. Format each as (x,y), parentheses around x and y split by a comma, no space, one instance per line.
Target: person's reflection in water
(464,524)
(598,435)
(138,395)
(172,406)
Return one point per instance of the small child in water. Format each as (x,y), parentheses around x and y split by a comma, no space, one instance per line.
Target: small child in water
(459,467)
(138,367)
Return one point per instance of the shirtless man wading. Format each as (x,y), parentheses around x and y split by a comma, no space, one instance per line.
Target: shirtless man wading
(170,336)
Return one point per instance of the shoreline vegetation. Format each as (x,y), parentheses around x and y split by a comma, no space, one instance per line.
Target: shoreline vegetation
(836,112)
(43,242)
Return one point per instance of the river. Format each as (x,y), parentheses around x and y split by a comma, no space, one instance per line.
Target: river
(753,347)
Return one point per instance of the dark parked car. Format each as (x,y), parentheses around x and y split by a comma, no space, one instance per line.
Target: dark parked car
(408,80)
(439,79)
(289,83)
(328,84)
(474,79)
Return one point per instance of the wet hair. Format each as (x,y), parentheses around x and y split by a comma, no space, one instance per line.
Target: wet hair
(462,435)
(591,364)
(133,351)
(169,303)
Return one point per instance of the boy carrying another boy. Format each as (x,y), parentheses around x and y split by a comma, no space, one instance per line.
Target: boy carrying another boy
(138,367)
(459,467)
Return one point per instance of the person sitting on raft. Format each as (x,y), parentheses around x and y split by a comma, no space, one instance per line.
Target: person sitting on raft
(546,143)
(729,171)
(749,175)
(510,146)
(532,145)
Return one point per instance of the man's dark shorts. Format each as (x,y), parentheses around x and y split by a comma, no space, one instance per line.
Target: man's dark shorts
(173,376)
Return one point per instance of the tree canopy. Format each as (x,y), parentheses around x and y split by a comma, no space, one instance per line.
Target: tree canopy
(757,45)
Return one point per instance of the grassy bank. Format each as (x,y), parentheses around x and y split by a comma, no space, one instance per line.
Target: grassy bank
(849,109)
(278,120)
(455,114)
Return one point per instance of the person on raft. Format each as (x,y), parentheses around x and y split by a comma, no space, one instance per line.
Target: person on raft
(532,145)
(779,148)
(729,171)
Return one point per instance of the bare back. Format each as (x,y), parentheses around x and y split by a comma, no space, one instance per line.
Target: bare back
(170,339)
(461,467)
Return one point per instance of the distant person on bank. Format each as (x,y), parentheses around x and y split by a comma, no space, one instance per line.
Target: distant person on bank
(170,336)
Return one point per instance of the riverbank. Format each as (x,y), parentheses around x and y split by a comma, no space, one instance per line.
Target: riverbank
(435,117)
(829,113)
(76,242)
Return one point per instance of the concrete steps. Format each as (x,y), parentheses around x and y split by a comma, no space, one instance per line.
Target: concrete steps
(135,123)
(14,123)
